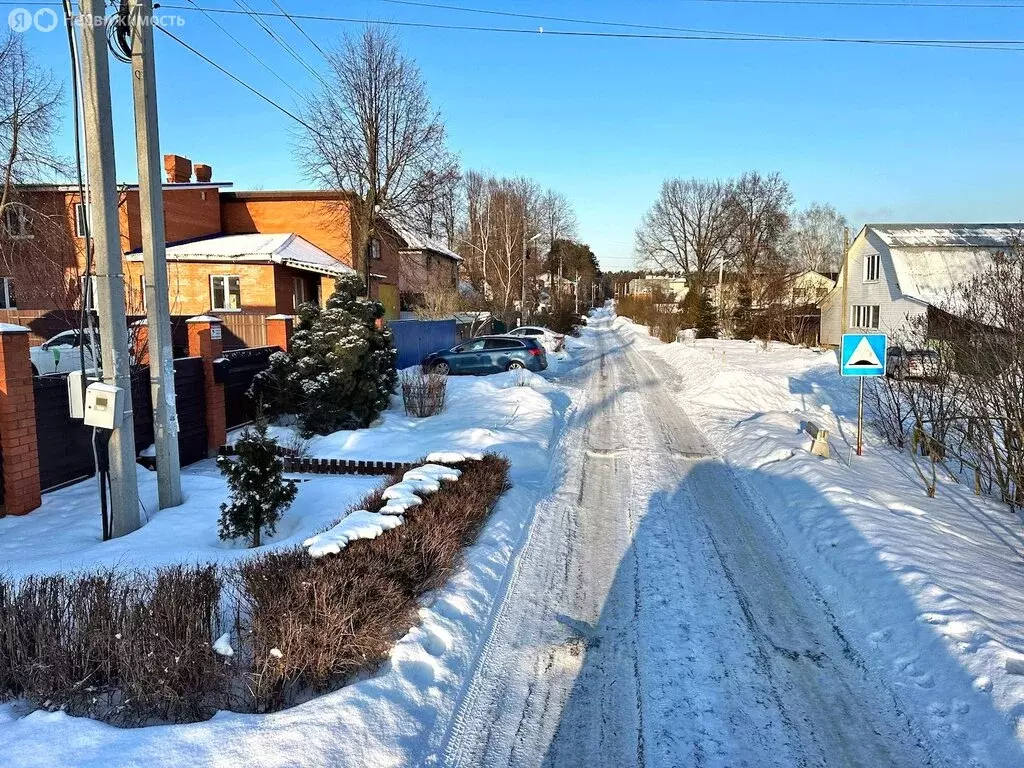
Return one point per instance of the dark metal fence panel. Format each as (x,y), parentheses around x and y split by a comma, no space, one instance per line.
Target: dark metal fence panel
(65,444)
(415,339)
(241,369)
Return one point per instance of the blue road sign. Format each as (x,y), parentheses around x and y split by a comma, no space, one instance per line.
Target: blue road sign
(863,354)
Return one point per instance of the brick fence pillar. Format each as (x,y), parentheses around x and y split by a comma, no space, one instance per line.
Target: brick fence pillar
(279,332)
(18,423)
(204,340)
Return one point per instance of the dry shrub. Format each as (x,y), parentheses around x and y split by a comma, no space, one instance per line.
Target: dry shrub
(423,393)
(337,616)
(123,647)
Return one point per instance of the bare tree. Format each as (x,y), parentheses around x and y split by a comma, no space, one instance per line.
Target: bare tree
(688,228)
(759,208)
(557,218)
(34,236)
(372,132)
(816,239)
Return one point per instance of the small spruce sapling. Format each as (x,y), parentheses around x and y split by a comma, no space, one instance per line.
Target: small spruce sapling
(707,316)
(259,492)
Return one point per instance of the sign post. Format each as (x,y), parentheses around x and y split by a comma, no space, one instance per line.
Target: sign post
(862,355)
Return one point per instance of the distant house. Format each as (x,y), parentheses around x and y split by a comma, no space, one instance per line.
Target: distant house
(671,286)
(425,263)
(897,271)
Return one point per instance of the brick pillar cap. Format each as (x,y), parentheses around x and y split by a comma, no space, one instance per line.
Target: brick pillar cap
(281,317)
(12,328)
(204,319)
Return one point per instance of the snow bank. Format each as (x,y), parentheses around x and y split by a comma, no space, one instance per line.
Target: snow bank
(357,525)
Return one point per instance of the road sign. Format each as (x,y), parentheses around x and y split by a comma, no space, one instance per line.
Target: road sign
(863,354)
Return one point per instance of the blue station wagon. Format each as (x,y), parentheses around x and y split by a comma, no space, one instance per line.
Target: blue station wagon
(489,354)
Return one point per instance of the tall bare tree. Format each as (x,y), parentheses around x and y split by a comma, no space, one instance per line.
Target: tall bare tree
(688,228)
(34,236)
(816,238)
(372,132)
(557,219)
(759,207)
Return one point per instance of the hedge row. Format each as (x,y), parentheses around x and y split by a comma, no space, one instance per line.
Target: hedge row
(133,648)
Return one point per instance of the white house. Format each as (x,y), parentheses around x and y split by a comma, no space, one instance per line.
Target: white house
(896,271)
(671,286)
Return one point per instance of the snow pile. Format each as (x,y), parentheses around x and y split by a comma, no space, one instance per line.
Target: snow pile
(453,457)
(223,645)
(433,471)
(358,525)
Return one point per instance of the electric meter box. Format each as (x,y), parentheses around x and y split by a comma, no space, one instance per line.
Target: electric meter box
(76,392)
(102,405)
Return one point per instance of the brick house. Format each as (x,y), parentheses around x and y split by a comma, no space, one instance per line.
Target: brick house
(425,264)
(231,252)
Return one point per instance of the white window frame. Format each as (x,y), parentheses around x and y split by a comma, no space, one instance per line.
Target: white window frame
(375,250)
(24,230)
(865,316)
(300,291)
(81,208)
(7,293)
(227,292)
(872,268)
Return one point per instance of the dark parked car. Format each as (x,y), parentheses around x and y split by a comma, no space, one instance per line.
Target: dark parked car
(489,354)
(911,363)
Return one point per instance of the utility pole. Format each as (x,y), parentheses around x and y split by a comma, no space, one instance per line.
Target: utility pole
(846,280)
(99,151)
(158,313)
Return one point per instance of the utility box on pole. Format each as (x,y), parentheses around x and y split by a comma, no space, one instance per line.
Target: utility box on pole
(151,204)
(106,244)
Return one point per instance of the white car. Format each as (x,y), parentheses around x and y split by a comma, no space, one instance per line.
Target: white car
(61,354)
(553,342)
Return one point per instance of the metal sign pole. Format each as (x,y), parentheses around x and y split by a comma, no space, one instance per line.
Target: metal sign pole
(860,419)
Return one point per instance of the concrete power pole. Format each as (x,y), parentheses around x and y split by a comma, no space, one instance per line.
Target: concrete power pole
(158,313)
(99,150)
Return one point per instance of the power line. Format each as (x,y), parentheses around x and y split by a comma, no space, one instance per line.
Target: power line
(245,48)
(301,30)
(711,36)
(238,80)
(256,16)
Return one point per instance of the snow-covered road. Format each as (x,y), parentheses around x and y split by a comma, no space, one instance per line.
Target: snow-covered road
(655,617)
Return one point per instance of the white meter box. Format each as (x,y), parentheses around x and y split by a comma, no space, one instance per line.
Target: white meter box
(102,405)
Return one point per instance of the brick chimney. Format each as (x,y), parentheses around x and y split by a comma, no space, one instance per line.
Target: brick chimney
(178,168)
(204,173)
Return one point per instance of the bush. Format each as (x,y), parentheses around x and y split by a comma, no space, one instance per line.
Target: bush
(423,393)
(337,616)
(259,492)
(125,647)
(341,371)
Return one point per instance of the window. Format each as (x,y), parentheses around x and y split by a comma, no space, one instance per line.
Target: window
(225,293)
(864,316)
(473,346)
(88,292)
(300,294)
(871,268)
(83,219)
(16,222)
(375,249)
(7,294)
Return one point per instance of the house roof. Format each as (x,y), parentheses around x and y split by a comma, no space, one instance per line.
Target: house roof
(287,249)
(931,259)
(417,241)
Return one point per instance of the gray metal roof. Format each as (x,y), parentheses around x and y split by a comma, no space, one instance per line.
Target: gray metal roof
(948,235)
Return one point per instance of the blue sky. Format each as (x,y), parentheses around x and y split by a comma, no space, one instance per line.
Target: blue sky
(883,133)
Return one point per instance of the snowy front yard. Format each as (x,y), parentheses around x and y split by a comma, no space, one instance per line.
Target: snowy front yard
(380,720)
(925,582)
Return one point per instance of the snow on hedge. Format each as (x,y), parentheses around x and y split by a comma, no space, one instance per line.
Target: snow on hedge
(358,525)
(452,457)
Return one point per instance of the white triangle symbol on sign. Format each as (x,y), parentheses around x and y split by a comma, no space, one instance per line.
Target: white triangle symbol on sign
(863,356)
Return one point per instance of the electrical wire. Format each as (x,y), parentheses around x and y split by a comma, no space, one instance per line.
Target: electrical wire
(245,48)
(239,80)
(298,27)
(705,36)
(257,16)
